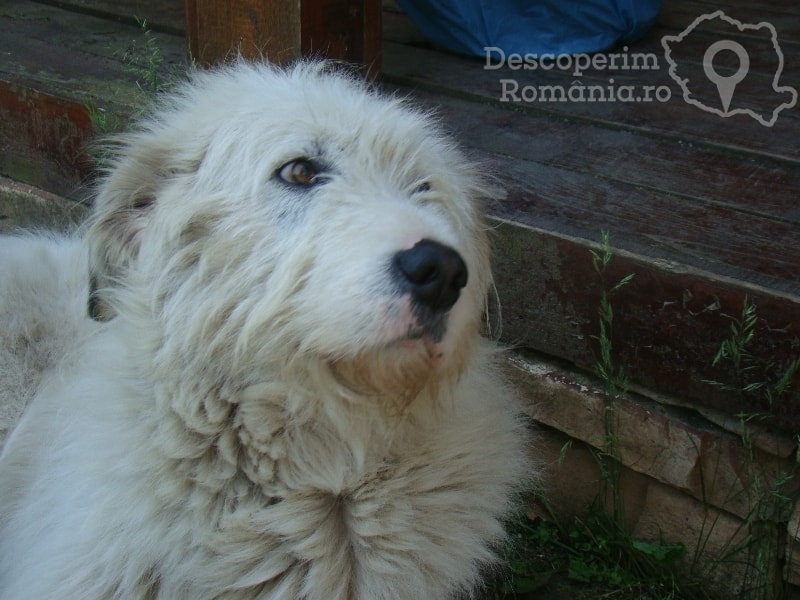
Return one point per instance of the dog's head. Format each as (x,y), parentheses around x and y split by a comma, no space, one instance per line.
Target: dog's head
(264,216)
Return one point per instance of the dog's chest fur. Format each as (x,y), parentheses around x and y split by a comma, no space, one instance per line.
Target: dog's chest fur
(269,506)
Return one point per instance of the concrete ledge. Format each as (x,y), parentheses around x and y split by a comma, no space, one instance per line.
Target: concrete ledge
(685,479)
(25,207)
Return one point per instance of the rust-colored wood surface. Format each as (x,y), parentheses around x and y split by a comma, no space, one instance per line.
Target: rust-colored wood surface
(283,30)
(348,30)
(43,139)
(217,31)
(704,210)
(669,321)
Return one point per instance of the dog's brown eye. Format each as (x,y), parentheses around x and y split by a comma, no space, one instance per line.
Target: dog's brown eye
(422,188)
(300,171)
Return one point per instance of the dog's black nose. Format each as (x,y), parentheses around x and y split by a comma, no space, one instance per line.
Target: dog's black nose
(433,273)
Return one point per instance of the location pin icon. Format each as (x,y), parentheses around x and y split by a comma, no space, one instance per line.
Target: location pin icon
(726,85)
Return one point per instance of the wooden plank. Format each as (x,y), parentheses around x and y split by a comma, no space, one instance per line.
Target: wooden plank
(43,139)
(691,173)
(668,323)
(707,237)
(760,49)
(163,16)
(756,91)
(285,30)
(789,6)
(218,31)
(783,15)
(347,30)
(82,58)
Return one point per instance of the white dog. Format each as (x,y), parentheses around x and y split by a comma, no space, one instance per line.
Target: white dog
(288,395)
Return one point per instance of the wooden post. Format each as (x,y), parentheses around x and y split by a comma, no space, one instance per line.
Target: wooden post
(285,30)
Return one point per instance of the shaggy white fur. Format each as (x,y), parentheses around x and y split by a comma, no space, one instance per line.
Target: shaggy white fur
(288,395)
(43,291)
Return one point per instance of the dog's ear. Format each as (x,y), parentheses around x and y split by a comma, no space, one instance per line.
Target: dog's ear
(113,243)
(122,209)
(99,309)
(145,164)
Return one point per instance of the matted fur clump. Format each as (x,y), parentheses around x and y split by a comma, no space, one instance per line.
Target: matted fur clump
(283,392)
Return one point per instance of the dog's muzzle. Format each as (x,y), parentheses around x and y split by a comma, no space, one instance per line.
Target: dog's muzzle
(433,274)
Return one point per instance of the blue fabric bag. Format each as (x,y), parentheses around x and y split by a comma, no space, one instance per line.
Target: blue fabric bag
(531,26)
